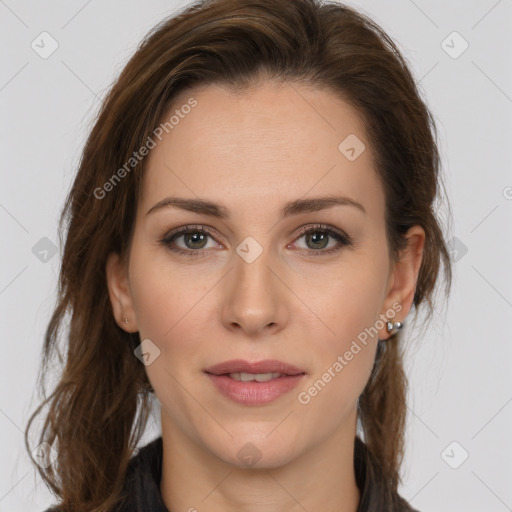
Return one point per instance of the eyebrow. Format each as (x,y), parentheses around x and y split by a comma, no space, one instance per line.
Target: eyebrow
(295,207)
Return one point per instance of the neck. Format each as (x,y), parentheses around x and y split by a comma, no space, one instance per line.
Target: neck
(195,479)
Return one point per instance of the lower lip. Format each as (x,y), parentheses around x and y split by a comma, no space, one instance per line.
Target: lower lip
(255,393)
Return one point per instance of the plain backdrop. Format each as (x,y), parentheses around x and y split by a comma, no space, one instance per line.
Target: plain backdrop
(460,401)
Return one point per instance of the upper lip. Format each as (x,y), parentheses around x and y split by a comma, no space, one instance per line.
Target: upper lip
(242,366)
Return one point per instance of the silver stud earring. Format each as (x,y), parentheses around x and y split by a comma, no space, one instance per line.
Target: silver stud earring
(391,326)
(126,320)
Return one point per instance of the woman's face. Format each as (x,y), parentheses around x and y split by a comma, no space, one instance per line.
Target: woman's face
(250,284)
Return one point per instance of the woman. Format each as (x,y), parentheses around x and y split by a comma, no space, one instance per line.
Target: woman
(251,224)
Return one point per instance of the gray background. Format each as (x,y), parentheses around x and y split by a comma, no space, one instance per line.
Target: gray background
(460,385)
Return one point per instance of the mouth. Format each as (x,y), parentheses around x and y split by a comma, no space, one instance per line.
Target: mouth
(254,384)
(251,377)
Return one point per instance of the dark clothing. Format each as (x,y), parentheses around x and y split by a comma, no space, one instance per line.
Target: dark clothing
(142,483)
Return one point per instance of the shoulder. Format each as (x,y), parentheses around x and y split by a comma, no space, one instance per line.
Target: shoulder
(141,490)
(145,463)
(141,486)
(376,492)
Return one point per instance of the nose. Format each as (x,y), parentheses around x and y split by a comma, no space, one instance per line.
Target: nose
(254,297)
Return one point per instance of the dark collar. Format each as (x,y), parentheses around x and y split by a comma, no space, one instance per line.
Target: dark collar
(142,482)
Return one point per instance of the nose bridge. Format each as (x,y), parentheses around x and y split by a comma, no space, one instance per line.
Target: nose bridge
(254,299)
(252,273)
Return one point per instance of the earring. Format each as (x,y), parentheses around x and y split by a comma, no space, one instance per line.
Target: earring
(126,320)
(391,326)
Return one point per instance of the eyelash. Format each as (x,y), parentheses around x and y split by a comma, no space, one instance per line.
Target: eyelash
(341,237)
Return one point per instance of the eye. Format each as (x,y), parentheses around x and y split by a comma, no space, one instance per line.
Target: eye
(194,239)
(317,237)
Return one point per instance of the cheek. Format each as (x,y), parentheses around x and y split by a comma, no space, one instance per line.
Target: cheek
(172,306)
(154,304)
(162,293)
(349,299)
(349,308)
(164,306)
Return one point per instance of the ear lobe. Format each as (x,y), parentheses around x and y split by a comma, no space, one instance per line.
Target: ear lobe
(404,276)
(120,293)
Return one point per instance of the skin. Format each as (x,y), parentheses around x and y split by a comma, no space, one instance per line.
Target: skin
(253,152)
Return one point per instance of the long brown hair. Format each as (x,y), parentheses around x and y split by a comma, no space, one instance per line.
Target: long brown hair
(99,407)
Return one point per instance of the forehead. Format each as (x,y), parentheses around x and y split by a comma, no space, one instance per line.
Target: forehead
(272,143)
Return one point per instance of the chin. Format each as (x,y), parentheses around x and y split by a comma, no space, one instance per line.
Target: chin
(257,450)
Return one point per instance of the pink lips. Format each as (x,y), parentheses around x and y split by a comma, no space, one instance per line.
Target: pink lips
(266,366)
(254,393)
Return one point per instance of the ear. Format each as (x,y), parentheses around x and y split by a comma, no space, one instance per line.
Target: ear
(403,278)
(120,293)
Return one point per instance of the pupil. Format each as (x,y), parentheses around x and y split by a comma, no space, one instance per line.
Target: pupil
(195,237)
(322,237)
